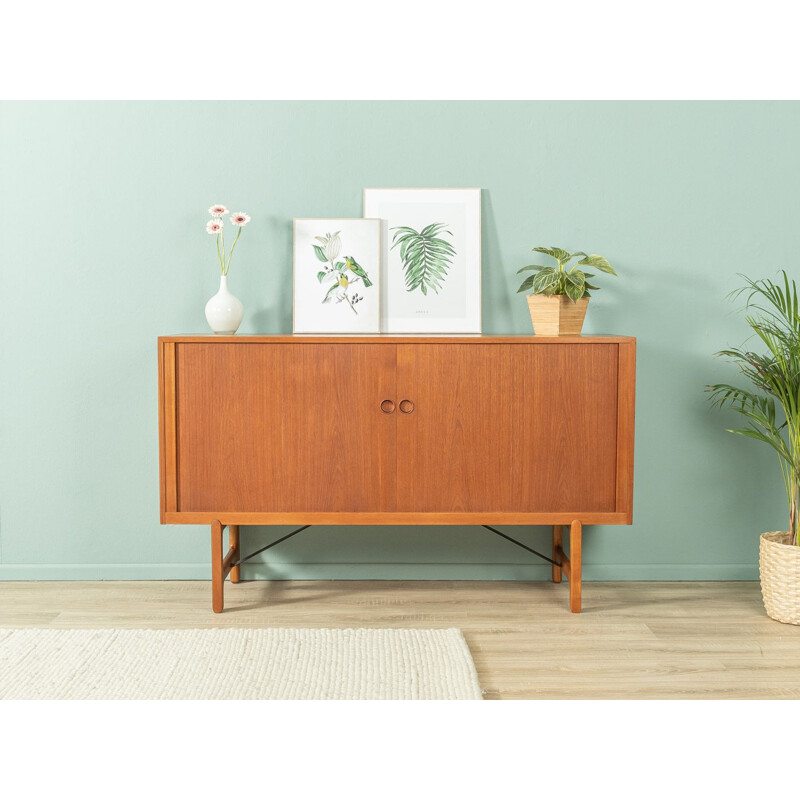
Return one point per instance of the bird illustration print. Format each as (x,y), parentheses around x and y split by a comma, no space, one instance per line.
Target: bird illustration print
(353,265)
(341,275)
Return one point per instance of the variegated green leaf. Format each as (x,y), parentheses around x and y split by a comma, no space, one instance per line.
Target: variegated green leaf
(576,278)
(526,284)
(544,281)
(565,276)
(530,267)
(573,291)
(598,262)
(557,253)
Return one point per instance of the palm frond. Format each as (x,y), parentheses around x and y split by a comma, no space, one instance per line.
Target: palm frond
(426,256)
(772,407)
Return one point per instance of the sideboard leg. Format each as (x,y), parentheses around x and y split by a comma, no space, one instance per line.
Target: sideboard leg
(217,575)
(575,557)
(233,539)
(557,534)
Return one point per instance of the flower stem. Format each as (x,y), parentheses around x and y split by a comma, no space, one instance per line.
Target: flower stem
(227,266)
(219,256)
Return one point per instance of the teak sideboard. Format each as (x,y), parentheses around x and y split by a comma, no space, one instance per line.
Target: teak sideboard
(366,430)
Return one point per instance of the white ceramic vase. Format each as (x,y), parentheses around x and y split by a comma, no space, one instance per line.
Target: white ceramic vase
(224,312)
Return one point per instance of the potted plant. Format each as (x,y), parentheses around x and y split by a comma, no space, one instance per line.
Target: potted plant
(771,406)
(559,296)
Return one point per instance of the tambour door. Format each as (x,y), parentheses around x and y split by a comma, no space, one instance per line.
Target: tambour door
(507,427)
(266,427)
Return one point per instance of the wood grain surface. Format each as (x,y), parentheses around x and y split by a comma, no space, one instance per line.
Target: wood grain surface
(282,428)
(625,428)
(269,429)
(507,428)
(565,428)
(652,640)
(391,338)
(454,430)
(556,315)
(455,450)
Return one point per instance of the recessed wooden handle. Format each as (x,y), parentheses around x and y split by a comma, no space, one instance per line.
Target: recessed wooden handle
(406,406)
(387,406)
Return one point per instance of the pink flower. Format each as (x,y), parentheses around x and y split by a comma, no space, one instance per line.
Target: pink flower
(240,218)
(213,226)
(217,210)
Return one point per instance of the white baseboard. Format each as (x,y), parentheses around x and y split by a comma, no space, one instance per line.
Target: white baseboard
(377,571)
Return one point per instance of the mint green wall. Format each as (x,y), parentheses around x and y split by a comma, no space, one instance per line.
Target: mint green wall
(103,207)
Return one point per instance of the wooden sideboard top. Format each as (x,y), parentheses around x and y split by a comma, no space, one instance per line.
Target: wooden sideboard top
(392,338)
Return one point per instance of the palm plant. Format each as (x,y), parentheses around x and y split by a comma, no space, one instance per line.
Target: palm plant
(772,406)
(572,282)
(425,255)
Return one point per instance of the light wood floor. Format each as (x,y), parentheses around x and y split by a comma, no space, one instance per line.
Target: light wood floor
(633,640)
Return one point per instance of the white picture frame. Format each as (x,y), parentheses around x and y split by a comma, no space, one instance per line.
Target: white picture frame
(420,296)
(342,293)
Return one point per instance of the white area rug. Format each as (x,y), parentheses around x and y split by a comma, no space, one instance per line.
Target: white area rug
(236,664)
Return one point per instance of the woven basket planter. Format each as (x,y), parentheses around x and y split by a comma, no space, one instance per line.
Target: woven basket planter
(779,564)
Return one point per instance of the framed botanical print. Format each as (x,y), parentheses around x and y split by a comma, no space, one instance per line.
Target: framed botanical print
(337,276)
(431,259)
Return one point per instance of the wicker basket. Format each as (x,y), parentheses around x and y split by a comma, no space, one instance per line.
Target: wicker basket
(780,577)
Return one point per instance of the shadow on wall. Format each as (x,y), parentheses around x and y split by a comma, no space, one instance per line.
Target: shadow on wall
(690,473)
(274,314)
(643,296)
(494,294)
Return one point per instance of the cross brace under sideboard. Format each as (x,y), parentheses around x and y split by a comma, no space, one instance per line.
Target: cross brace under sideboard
(229,564)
